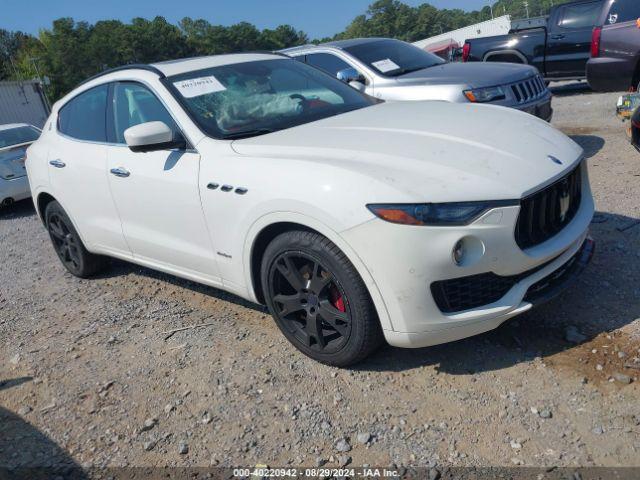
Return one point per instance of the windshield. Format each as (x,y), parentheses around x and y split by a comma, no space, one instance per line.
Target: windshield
(254,98)
(393,58)
(18,135)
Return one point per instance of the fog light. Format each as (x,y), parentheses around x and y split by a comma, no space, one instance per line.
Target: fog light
(467,251)
(458,252)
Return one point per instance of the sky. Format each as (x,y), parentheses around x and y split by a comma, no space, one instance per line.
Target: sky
(318,18)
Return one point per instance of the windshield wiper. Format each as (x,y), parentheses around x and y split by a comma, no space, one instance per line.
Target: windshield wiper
(404,71)
(247,133)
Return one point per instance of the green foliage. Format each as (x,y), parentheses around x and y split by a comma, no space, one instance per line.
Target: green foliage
(71,51)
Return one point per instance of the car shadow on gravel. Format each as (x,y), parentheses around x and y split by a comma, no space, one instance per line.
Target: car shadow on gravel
(120,268)
(26,452)
(592,144)
(603,299)
(21,209)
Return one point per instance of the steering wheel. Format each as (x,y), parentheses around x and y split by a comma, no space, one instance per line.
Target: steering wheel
(304,101)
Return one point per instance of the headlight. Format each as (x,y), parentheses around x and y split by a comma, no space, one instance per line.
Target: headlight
(434,214)
(483,95)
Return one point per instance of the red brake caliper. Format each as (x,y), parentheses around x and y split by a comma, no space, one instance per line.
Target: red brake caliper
(336,299)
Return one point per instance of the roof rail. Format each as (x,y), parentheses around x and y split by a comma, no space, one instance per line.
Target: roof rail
(133,66)
(297,47)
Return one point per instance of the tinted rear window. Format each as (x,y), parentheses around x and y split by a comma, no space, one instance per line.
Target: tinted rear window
(84,117)
(18,135)
(393,58)
(623,11)
(582,15)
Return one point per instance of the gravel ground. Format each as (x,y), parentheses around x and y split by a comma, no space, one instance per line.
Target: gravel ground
(89,376)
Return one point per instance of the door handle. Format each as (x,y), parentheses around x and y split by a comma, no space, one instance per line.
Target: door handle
(57,164)
(557,37)
(120,172)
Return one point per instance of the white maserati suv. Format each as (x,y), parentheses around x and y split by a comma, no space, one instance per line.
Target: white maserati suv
(354,221)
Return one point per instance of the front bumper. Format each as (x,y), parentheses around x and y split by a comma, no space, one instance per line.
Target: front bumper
(404,262)
(14,189)
(541,110)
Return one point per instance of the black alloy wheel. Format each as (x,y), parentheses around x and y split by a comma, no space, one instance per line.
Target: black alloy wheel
(318,299)
(64,242)
(68,245)
(310,302)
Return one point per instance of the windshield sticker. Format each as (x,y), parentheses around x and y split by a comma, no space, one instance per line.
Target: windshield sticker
(195,87)
(613,18)
(386,65)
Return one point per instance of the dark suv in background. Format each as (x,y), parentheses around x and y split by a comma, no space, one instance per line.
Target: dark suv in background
(615,47)
(559,46)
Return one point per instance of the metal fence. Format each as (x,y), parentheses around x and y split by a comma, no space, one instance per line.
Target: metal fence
(23,102)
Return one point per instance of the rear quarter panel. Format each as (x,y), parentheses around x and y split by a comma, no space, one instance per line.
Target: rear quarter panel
(36,163)
(622,40)
(618,66)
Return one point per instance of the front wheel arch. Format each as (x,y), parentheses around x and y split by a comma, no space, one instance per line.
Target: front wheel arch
(270,226)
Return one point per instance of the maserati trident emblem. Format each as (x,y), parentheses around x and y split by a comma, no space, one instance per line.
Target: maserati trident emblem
(565,201)
(554,159)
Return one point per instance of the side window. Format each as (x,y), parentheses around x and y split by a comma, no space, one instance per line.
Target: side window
(327,62)
(84,117)
(134,104)
(577,16)
(623,11)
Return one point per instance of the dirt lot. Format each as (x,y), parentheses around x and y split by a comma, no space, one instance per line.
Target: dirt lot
(88,376)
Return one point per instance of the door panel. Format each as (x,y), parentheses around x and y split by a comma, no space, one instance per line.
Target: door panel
(159,205)
(569,39)
(77,171)
(156,193)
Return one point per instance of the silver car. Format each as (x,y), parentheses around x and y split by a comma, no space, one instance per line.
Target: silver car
(15,138)
(394,70)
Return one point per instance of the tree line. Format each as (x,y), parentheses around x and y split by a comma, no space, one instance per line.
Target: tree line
(71,51)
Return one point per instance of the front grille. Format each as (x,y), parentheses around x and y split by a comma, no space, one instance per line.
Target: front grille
(545,213)
(529,89)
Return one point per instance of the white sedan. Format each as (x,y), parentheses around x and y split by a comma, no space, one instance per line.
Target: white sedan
(15,138)
(353,220)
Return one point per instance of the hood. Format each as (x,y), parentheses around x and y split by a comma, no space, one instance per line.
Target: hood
(474,74)
(12,162)
(431,151)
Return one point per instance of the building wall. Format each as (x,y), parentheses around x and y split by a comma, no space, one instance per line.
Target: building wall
(497,26)
(23,102)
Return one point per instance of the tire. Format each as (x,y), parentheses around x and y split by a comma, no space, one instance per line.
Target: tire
(318,300)
(68,245)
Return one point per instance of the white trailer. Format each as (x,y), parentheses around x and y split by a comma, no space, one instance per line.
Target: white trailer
(23,102)
(497,26)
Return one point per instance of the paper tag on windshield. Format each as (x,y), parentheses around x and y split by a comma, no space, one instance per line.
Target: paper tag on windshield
(194,87)
(386,65)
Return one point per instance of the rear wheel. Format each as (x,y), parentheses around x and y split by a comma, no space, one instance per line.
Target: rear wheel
(318,300)
(68,245)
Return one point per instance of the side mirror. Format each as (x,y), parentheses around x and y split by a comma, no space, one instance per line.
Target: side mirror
(349,75)
(153,136)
